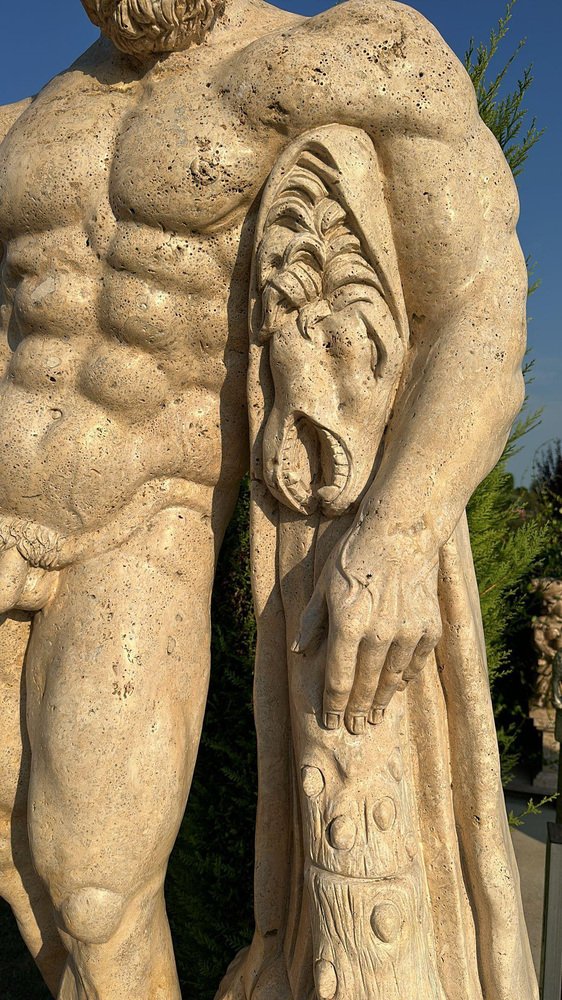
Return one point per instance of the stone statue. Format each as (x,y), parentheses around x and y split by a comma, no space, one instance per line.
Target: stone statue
(378,364)
(547,629)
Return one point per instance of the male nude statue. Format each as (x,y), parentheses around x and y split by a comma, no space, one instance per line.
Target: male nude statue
(129,188)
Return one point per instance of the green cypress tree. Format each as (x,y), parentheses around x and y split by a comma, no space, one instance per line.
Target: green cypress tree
(504,113)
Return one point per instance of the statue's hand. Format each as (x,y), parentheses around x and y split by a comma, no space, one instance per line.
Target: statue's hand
(376,599)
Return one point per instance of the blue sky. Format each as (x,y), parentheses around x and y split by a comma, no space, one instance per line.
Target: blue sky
(41,37)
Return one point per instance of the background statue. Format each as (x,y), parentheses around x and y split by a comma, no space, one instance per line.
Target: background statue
(387,298)
(547,630)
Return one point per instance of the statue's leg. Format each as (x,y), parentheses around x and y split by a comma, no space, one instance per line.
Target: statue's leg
(118,670)
(20,884)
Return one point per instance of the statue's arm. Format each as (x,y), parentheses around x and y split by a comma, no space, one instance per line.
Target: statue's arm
(453,208)
(465,289)
(9,114)
(381,66)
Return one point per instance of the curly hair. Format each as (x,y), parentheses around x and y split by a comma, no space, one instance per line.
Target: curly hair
(144,27)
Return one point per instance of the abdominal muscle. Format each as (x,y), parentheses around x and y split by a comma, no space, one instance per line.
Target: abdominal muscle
(86,421)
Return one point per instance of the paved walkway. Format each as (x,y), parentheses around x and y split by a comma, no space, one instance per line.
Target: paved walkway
(529,842)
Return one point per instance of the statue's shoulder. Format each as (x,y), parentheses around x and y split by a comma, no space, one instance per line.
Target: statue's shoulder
(393,29)
(388,14)
(396,46)
(100,67)
(365,62)
(9,114)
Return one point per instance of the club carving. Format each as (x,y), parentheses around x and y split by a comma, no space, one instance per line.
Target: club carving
(371,879)
(329,342)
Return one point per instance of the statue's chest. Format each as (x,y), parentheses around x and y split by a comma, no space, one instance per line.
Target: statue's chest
(170,155)
(55,161)
(183,162)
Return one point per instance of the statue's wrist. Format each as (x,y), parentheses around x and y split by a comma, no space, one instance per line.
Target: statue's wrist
(395,529)
(375,547)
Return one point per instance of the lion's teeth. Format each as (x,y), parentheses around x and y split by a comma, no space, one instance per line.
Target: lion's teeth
(291,477)
(329,493)
(300,495)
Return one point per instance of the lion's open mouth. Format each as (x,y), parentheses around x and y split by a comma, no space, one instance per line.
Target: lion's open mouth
(314,466)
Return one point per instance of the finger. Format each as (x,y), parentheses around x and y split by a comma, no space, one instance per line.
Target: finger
(370,661)
(313,622)
(391,678)
(421,654)
(341,661)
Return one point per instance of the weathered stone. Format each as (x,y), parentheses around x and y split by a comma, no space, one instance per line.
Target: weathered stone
(342,833)
(334,173)
(312,781)
(386,921)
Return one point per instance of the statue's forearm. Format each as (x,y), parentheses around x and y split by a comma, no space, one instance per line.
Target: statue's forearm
(452,418)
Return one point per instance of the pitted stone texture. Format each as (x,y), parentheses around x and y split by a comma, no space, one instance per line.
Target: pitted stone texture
(312,781)
(333,173)
(342,833)
(386,921)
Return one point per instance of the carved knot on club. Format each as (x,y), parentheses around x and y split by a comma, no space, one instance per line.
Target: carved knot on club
(342,833)
(386,922)
(313,782)
(326,980)
(384,813)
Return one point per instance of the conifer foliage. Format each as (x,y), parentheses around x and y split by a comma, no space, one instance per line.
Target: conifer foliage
(504,113)
(545,500)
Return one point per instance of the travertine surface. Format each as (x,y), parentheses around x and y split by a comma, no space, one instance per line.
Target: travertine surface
(378,366)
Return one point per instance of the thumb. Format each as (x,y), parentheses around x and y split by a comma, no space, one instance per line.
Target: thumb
(313,622)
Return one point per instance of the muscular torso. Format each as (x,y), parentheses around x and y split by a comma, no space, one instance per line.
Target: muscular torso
(124,284)
(126,214)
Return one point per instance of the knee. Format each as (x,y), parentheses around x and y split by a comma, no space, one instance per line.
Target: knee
(92,915)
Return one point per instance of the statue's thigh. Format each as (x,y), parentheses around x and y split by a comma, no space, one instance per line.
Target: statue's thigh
(14,755)
(118,669)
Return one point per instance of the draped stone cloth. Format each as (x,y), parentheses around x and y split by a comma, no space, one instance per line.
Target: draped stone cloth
(384,865)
